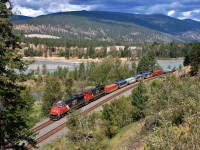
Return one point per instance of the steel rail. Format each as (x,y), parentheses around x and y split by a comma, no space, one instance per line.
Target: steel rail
(58,128)
(36,129)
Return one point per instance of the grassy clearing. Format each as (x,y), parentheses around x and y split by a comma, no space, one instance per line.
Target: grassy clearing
(62,143)
(123,138)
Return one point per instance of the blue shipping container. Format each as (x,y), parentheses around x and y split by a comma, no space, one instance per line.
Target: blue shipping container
(139,76)
(147,74)
(120,83)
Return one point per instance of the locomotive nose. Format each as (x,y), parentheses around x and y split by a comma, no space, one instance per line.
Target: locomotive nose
(55,110)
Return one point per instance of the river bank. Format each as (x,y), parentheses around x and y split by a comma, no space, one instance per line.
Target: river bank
(60,59)
(84,60)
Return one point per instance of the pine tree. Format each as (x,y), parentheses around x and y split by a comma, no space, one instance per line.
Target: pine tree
(68,86)
(133,69)
(52,93)
(139,98)
(147,63)
(44,69)
(15,107)
(195,58)
(81,71)
(117,114)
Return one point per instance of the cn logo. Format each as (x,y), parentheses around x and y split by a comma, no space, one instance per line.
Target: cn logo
(74,102)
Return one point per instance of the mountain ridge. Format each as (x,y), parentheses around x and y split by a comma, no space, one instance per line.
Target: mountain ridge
(103,25)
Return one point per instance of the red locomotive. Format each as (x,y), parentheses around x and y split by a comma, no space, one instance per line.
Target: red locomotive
(94,93)
(60,108)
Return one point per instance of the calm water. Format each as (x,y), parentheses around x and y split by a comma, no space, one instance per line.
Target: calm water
(52,65)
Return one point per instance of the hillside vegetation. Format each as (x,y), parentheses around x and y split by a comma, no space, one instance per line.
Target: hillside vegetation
(169,118)
(111,26)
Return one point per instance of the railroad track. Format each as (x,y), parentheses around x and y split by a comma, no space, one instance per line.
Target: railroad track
(63,125)
(38,128)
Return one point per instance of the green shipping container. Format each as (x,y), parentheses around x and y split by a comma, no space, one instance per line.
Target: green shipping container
(131,80)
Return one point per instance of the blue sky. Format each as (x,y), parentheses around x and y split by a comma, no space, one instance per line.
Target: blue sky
(181,9)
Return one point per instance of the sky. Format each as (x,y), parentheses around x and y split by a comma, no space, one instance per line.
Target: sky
(181,9)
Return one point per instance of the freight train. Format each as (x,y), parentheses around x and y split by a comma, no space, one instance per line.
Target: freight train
(62,107)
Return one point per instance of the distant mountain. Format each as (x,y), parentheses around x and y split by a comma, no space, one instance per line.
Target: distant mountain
(110,26)
(19,18)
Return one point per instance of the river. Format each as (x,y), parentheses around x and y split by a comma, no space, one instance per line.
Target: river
(53,64)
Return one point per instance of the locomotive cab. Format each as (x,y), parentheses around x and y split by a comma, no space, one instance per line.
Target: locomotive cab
(58,110)
(94,93)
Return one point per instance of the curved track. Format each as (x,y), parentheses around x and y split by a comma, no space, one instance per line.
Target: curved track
(61,126)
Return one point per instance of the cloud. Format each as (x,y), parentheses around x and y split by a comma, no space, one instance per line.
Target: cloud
(170,13)
(193,14)
(35,8)
(174,8)
(63,7)
(27,11)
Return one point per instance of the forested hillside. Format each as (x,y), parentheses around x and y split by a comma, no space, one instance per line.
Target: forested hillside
(159,115)
(111,26)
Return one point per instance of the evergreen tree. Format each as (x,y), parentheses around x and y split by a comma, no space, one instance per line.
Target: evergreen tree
(187,51)
(68,86)
(147,63)
(81,71)
(52,93)
(44,69)
(173,50)
(90,52)
(133,69)
(15,107)
(117,115)
(37,70)
(139,98)
(75,74)
(187,60)
(195,58)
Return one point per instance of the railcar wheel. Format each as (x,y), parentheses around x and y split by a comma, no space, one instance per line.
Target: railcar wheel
(86,103)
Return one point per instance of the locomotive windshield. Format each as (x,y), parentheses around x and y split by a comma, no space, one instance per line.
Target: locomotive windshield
(58,105)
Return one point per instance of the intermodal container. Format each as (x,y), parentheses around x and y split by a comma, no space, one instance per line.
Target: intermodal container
(167,70)
(147,75)
(121,83)
(157,73)
(139,77)
(110,88)
(131,80)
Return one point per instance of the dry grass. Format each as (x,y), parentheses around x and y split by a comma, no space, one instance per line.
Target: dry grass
(125,136)
(184,71)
